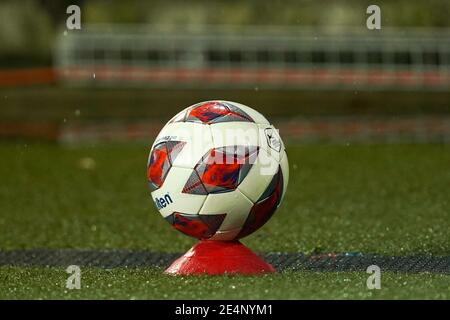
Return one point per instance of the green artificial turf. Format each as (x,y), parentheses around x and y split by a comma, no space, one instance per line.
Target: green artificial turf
(50,283)
(385,199)
(388,199)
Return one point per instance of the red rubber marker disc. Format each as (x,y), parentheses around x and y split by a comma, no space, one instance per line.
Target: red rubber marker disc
(219,257)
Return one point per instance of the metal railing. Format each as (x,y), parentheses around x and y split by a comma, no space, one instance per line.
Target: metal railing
(255,56)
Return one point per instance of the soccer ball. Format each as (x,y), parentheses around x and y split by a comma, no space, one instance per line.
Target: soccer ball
(218,170)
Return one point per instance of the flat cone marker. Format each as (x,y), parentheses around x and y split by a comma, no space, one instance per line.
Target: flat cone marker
(219,257)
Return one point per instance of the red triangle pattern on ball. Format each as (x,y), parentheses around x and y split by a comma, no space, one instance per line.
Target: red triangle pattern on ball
(216,111)
(221,170)
(200,226)
(161,159)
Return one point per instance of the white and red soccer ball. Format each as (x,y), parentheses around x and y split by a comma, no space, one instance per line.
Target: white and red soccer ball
(218,170)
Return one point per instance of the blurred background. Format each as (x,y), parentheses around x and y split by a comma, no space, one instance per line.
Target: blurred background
(312,67)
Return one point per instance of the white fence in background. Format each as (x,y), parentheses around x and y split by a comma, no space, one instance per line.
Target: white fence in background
(283,58)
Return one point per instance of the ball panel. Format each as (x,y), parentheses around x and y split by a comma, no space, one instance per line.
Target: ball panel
(255,115)
(158,166)
(223,169)
(194,185)
(194,225)
(197,137)
(206,112)
(235,134)
(270,141)
(173,149)
(218,174)
(234,114)
(215,111)
(234,204)
(263,210)
(170,197)
(259,176)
